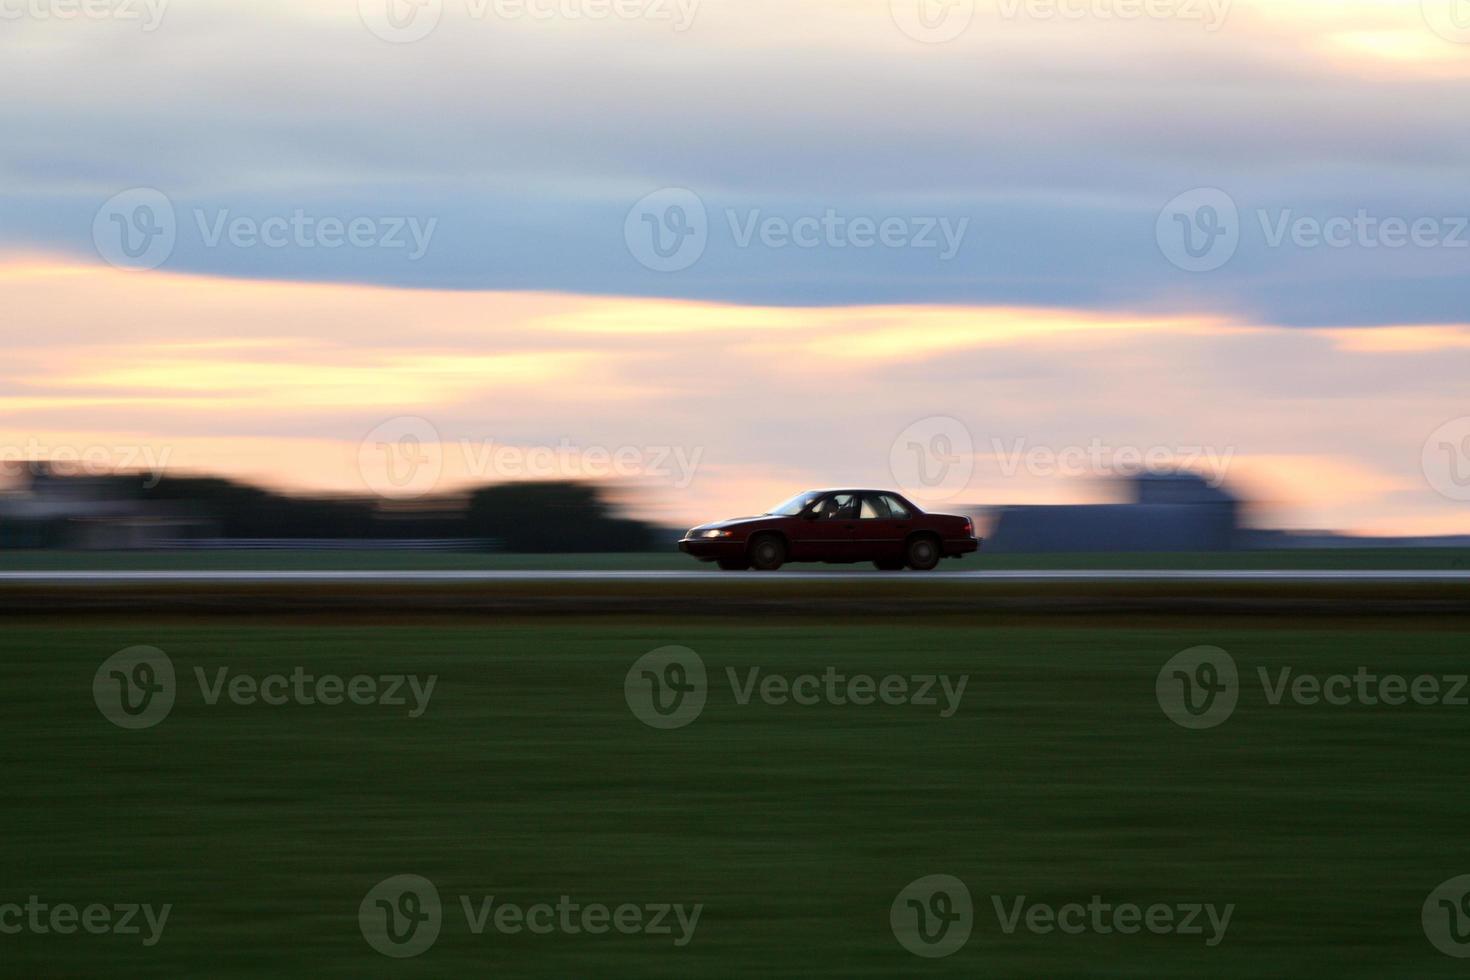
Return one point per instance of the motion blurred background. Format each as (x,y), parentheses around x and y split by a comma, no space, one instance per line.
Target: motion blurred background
(750,245)
(528,287)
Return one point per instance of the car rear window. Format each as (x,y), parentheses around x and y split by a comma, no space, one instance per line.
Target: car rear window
(896,509)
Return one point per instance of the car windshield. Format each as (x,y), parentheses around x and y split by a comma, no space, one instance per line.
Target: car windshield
(795,505)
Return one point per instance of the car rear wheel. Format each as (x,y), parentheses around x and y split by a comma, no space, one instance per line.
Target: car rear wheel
(733,564)
(888,566)
(768,552)
(923,553)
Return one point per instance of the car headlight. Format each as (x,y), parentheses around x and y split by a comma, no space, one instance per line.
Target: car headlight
(716,533)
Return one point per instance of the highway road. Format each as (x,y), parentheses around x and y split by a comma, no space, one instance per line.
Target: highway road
(84,578)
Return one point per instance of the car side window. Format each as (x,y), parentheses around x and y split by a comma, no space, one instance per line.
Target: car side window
(841,506)
(896,509)
(874,509)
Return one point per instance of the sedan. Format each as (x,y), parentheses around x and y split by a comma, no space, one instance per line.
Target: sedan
(837,527)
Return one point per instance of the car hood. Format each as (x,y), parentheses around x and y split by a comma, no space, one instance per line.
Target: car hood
(735,522)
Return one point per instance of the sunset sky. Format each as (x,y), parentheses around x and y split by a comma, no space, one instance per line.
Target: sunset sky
(1237,228)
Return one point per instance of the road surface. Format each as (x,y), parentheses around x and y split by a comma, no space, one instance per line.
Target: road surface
(81,578)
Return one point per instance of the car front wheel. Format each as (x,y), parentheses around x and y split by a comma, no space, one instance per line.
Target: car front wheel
(767,552)
(923,554)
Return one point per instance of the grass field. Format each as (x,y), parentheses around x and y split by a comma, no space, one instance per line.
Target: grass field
(527,777)
(1366,558)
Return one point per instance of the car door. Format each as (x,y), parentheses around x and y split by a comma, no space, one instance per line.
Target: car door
(880,534)
(828,534)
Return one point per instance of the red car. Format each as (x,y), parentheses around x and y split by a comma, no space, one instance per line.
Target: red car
(835,526)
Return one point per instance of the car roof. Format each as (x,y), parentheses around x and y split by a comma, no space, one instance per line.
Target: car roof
(851,490)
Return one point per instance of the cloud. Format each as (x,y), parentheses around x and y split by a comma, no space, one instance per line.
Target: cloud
(529,138)
(768,399)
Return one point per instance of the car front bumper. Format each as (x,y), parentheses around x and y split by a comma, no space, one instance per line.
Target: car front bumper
(710,549)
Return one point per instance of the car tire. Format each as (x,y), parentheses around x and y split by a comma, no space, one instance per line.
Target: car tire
(888,566)
(767,553)
(733,564)
(923,553)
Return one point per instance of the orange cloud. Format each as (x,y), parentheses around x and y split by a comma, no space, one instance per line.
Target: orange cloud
(1400,340)
(281,382)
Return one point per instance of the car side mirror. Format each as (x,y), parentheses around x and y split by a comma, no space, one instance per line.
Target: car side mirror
(808,515)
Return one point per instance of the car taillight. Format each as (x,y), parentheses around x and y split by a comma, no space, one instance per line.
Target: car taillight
(969,527)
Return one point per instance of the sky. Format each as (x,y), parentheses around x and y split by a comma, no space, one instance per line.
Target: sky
(722,250)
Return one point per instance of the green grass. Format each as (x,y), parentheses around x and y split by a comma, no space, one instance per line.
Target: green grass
(1365,558)
(528,778)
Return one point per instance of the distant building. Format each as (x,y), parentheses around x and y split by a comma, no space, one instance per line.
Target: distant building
(42,510)
(1168,512)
